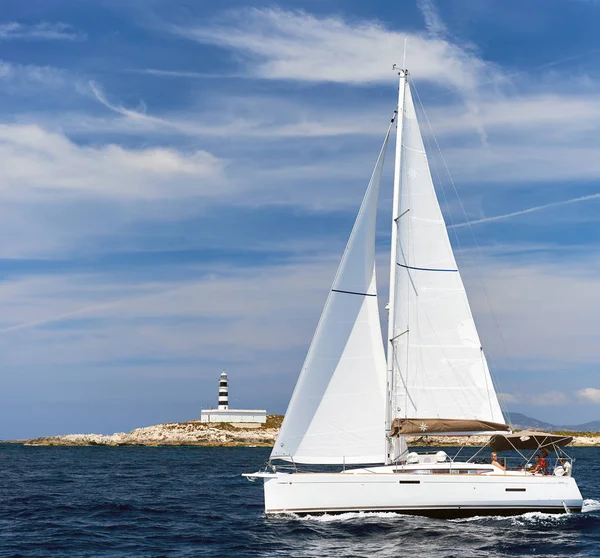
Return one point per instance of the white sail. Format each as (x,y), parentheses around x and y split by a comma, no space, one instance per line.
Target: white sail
(337,410)
(439,368)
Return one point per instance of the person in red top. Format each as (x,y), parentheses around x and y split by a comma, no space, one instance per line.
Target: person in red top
(544,462)
(541,465)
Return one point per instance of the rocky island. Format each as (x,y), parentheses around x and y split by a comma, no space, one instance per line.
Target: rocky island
(197,433)
(189,433)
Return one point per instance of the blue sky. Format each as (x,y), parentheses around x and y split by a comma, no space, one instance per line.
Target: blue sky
(178,179)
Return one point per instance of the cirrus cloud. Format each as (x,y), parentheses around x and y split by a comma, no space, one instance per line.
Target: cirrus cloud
(45,31)
(295,45)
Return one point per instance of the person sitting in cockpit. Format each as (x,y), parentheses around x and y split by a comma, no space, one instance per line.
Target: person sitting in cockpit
(495,461)
(566,467)
(541,465)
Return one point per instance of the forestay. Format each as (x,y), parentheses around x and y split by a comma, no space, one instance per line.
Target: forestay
(439,368)
(336,413)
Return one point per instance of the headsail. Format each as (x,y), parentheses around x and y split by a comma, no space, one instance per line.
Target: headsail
(336,413)
(439,367)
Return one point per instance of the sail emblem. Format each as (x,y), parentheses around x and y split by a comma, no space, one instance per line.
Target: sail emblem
(412,173)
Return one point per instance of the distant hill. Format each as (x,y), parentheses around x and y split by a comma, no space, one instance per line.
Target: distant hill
(593,426)
(523,422)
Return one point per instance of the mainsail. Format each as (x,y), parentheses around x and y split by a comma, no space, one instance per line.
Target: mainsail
(337,411)
(439,367)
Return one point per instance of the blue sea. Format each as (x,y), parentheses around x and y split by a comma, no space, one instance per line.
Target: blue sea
(98,501)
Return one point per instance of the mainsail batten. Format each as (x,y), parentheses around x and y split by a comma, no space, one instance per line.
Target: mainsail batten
(336,414)
(439,367)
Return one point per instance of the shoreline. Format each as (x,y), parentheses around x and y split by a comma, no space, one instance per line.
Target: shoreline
(189,433)
(195,433)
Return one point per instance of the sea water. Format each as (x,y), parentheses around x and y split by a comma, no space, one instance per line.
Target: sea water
(161,501)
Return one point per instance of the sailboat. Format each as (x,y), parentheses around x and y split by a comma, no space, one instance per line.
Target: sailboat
(353,407)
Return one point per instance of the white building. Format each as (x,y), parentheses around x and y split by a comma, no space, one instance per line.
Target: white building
(224,414)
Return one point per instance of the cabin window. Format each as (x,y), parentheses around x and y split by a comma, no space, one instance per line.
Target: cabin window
(443,471)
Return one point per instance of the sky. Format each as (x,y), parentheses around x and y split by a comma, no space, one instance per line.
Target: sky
(178,180)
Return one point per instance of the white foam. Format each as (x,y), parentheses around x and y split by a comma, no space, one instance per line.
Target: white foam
(590,506)
(539,517)
(478,518)
(525,518)
(350,516)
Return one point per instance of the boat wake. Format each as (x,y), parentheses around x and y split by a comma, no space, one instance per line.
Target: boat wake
(540,518)
(527,518)
(517,520)
(590,506)
(350,516)
(532,518)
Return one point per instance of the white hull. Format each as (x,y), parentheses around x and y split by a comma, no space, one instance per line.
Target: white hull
(440,495)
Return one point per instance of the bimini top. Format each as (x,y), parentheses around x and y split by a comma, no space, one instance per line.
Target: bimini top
(529,440)
(429,426)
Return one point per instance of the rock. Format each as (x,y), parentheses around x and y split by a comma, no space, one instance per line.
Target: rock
(196,433)
(191,433)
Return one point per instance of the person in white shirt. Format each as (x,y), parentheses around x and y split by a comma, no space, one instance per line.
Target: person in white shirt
(566,465)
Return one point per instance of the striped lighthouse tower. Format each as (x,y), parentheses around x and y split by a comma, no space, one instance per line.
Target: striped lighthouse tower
(224,414)
(223,392)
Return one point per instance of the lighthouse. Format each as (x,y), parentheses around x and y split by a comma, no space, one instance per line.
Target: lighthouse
(223,392)
(251,418)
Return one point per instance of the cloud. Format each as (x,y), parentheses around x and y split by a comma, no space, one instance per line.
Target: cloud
(127,341)
(20,77)
(509,397)
(433,21)
(549,399)
(589,395)
(522,112)
(523,164)
(205,312)
(37,161)
(181,74)
(138,115)
(528,291)
(526,155)
(518,146)
(515,131)
(39,31)
(525,136)
(295,45)
(263,117)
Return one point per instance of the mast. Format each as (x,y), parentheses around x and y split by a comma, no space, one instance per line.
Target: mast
(402,73)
